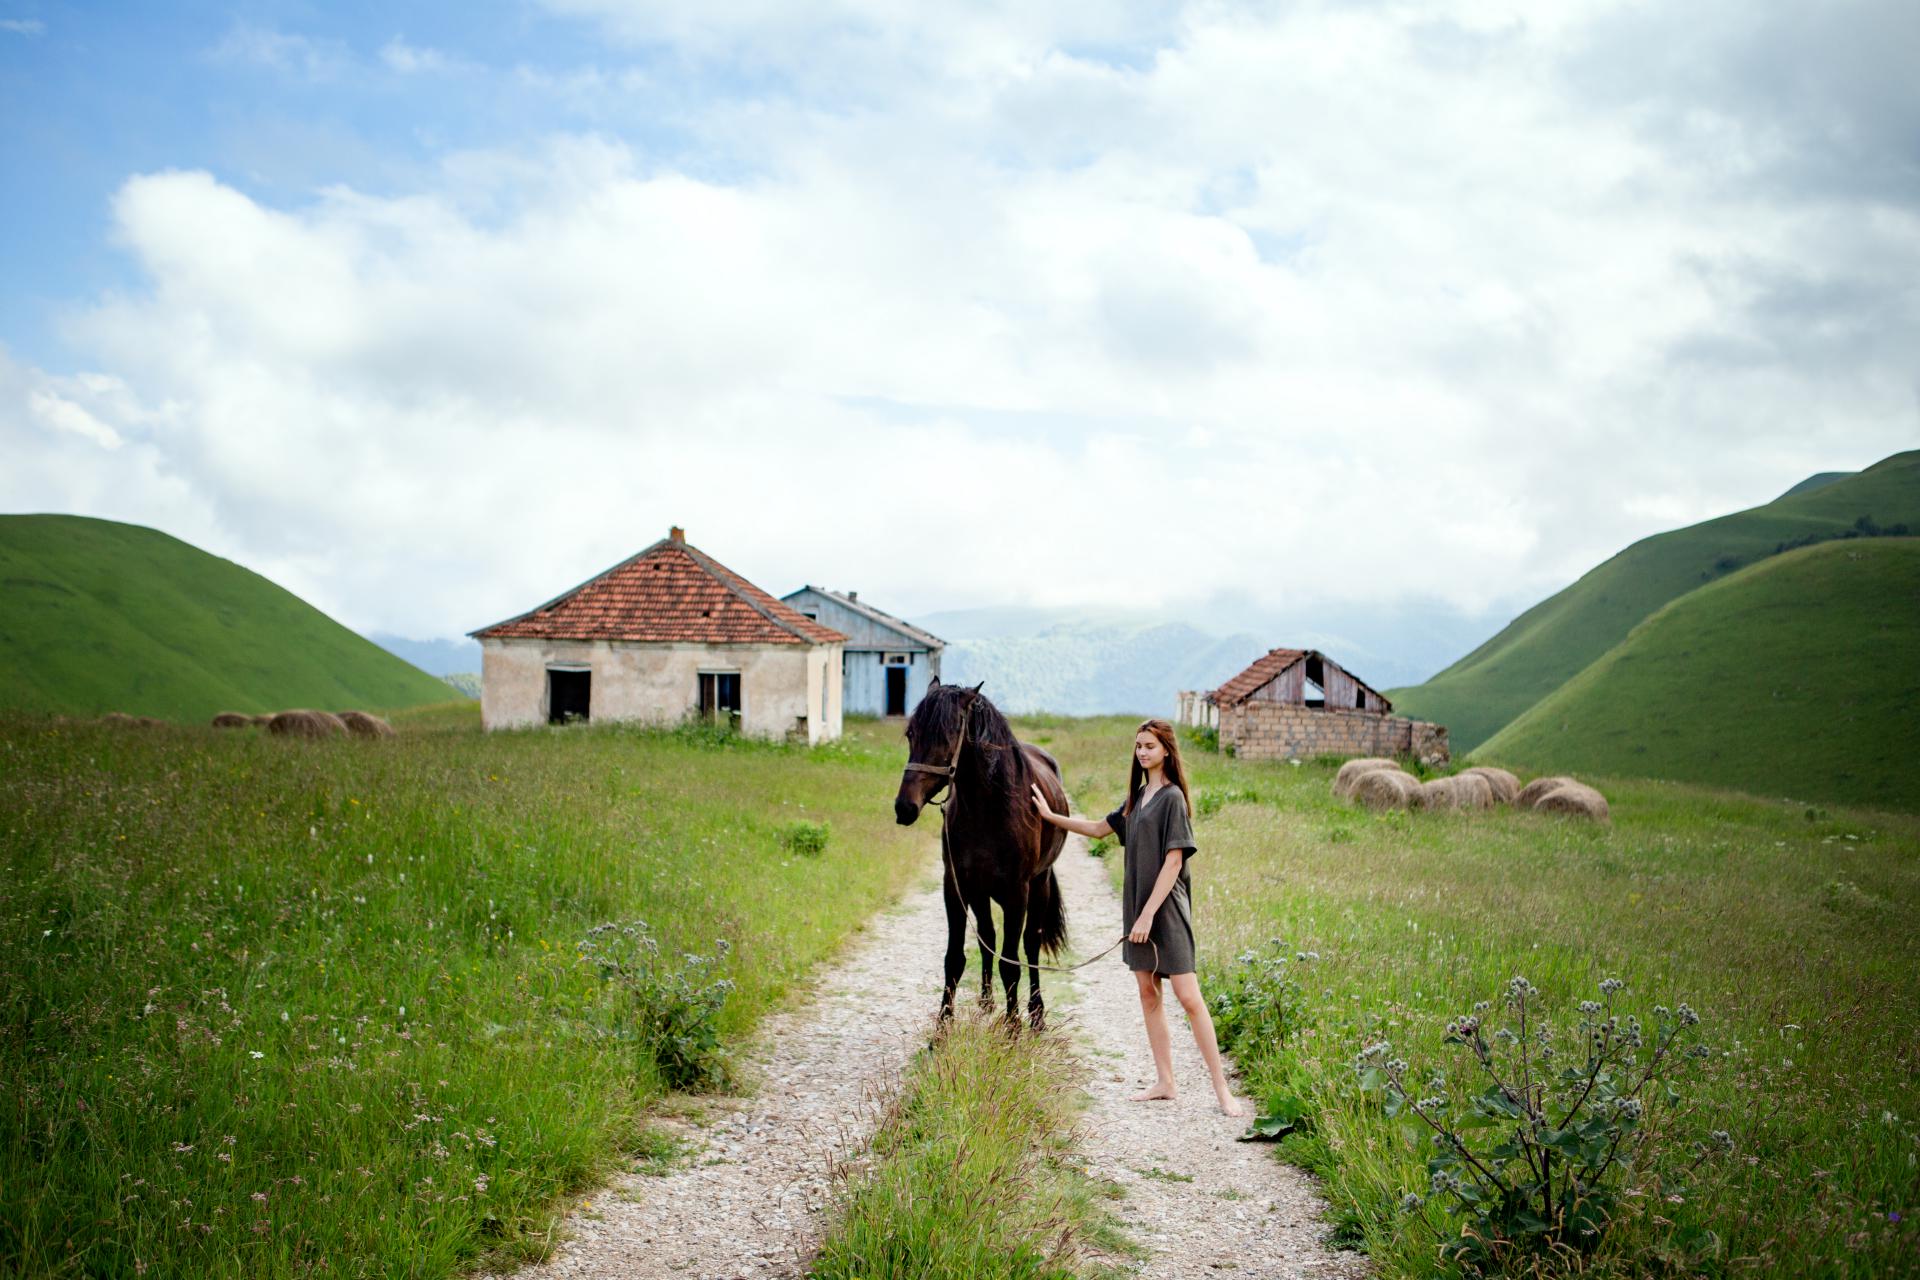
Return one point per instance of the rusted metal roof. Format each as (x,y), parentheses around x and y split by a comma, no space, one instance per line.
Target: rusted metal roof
(669,593)
(1264,668)
(1270,666)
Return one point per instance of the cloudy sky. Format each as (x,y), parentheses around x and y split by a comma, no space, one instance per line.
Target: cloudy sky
(428,312)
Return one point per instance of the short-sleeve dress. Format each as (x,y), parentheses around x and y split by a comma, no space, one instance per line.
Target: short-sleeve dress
(1157,824)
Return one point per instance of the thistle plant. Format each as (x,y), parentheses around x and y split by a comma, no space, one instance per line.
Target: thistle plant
(1566,1134)
(672,1008)
(1261,1001)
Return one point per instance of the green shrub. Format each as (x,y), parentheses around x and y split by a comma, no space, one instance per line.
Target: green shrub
(673,1013)
(1568,1135)
(1211,800)
(805,839)
(1203,737)
(1260,1005)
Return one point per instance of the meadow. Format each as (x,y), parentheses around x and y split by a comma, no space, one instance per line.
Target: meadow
(1788,926)
(280,1008)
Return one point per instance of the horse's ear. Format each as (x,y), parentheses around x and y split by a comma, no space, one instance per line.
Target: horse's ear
(977,688)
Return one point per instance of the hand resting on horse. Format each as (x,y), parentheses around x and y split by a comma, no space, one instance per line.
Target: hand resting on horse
(1079,826)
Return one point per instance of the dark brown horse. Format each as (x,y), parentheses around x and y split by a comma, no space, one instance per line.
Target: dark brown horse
(995,846)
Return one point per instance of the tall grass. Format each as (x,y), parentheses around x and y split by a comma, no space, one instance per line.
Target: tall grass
(1788,927)
(276,1008)
(972,1172)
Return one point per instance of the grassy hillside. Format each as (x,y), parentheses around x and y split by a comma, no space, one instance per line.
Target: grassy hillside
(1552,642)
(274,1008)
(101,616)
(1797,676)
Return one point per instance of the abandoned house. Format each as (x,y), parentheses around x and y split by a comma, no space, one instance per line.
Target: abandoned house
(665,636)
(1296,703)
(888,663)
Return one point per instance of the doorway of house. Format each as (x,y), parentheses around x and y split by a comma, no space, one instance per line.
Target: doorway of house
(896,691)
(569,696)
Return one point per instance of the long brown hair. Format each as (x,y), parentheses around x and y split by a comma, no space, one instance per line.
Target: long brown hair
(1176,772)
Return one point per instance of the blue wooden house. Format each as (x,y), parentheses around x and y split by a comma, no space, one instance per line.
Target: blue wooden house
(887,664)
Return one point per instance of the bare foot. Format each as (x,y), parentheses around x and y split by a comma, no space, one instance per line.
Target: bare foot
(1158,1093)
(1234,1107)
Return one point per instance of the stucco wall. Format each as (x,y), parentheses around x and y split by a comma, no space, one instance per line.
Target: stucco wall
(1272,731)
(781,686)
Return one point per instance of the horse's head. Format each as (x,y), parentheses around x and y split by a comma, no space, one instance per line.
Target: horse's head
(933,740)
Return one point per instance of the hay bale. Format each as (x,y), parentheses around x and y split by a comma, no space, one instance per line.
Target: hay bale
(1350,773)
(1577,799)
(120,720)
(1505,786)
(1461,791)
(232,720)
(1531,793)
(363,725)
(306,724)
(1386,789)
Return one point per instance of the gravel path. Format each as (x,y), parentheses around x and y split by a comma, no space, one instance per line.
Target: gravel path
(752,1201)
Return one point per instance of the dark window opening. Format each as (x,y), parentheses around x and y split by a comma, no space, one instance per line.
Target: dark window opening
(569,696)
(1360,699)
(896,691)
(720,695)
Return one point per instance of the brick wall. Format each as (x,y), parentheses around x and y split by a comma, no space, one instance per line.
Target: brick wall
(1272,731)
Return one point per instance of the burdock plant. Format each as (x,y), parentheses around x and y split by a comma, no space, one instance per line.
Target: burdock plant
(1563,1137)
(672,1006)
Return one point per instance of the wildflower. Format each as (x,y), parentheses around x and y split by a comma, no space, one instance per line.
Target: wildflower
(1629,1108)
(1610,985)
(259,1197)
(1687,1016)
(1412,1202)
(255,1053)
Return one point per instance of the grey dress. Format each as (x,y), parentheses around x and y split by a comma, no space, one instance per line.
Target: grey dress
(1157,825)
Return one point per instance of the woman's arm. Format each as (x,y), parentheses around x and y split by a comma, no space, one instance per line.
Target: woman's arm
(1162,886)
(1079,826)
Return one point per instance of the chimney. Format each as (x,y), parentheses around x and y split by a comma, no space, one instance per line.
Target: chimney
(853,595)
(677,534)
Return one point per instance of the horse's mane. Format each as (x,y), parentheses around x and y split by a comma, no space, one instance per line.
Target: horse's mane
(996,751)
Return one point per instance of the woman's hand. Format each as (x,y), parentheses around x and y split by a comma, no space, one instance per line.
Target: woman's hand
(1040,804)
(1141,927)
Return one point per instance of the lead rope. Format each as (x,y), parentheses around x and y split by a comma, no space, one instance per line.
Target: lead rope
(1049,968)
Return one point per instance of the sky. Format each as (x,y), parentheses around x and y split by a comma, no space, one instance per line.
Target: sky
(429,312)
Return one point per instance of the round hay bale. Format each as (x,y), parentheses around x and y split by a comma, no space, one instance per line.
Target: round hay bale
(1505,786)
(363,725)
(1577,799)
(1461,791)
(1531,793)
(152,722)
(1350,773)
(232,720)
(306,724)
(120,720)
(1386,789)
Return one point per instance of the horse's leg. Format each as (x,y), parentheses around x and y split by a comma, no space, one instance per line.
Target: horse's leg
(1036,1007)
(956,940)
(982,905)
(1015,911)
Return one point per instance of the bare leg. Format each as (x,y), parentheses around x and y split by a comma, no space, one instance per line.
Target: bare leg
(1186,989)
(1152,1008)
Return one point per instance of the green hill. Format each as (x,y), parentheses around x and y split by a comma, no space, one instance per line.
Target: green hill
(1556,639)
(1797,676)
(98,616)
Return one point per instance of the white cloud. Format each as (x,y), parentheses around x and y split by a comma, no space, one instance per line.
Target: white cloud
(23,26)
(1328,305)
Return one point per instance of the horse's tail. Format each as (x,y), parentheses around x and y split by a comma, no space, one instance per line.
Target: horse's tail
(1048,912)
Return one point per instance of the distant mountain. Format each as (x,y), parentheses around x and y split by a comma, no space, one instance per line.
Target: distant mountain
(436,657)
(98,616)
(1556,639)
(1796,676)
(1092,669)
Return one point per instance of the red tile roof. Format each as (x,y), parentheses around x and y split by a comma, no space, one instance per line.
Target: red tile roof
(1263,669)
(669,593)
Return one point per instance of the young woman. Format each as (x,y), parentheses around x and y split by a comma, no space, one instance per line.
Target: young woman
(1156,908)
